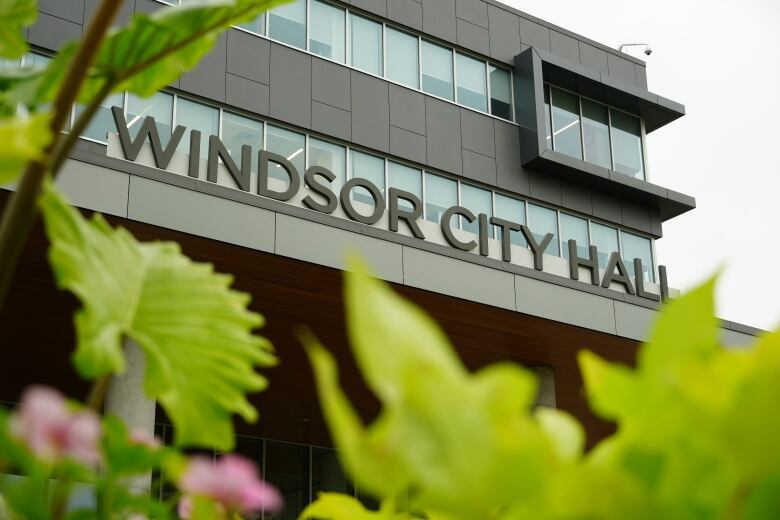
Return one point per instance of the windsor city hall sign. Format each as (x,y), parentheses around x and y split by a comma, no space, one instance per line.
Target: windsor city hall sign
(322,198)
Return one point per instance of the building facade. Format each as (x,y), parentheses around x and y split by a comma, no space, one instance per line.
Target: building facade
(490,165)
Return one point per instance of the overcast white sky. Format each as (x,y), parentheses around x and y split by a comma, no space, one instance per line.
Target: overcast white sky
(721,59)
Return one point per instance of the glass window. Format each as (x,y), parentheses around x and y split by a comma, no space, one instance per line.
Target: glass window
(326,473)
(35,60)
(331,157)
(327,33)
(566,123)
(437,70)
(440,193)
(103,121)
(287,469)
(402,58)
(287,23)
(627,144)
(238,131)
(595,133)
(574,228)
(541,221)
(404,178)
(159,106)
(472,90)
(477,201)
(366,46)
(369,167)
(513,210)
(500,92)
(547,119)
(635,246)
(195,116)
(605,239)
(257,25)
(289,145)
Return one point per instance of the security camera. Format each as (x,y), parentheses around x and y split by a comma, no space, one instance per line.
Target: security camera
(648,51)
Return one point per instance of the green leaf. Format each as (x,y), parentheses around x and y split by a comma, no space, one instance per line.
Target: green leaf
(332,506)
(124,457)
(22,139)
(15,15)
(195,332)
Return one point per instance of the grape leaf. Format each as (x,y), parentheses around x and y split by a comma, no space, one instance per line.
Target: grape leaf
(21,139)
(16,15)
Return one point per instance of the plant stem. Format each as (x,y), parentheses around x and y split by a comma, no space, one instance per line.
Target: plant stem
(97,393)
(19,216)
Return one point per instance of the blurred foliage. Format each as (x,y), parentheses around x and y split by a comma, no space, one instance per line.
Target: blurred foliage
(697,424)
(22,139)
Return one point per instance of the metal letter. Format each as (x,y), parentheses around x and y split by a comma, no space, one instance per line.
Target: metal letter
(639,281)
(131,148)
(664,283)
(349,209)
(310,179)
(218,151)
(194,166)
(622,274)
(591,263)
(507,226)
(537,248)
(264,158)
(410,217)
(446,229)
(484,249)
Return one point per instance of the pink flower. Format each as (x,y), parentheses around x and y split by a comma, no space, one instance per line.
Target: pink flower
(144,438)
(232,481)
(53,431)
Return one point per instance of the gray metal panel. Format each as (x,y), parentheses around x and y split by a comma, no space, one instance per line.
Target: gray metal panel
(632,321)
(656,224)
(636,216)
(593,57)
(407,109)
(607,207)
(370,111)
(732,338)
(509,174)
(51,32)
(246,94)
(576,197)
(443,130)
(290,85)
(325,245)
(406,12)
(439,19)
(248,56)
(564,46)
(208,78)
(641,76)
(331,120)
(504,34)
(330,83)
(372,6)
(473,37)
(479,167)
(621,69)
(94,187)
(474,11)
(554,302)
(148,6)
(457,278)
(200,214)
(534,34)
(545,187)
(408,145)
(477,132)
(121,18)
(71,10)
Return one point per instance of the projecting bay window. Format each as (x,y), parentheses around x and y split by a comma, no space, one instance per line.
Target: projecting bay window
(437,70)
(595,133)
(287,23)
(327,34)
(627,144)
(566,123)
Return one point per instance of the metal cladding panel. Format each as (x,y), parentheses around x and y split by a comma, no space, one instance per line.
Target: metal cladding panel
(477,132)
(479,167)
(71,10)
(632,321)
(330,84)
(121,18)
(534,34)
(593,57)
(407,109)
(370,111)
(247,94)
(443,130)
(473,37)
(546,187)
(607,207)
(636,216)
(331,121)
(208,78)
(564,46)
(372,6)
(472,11)
(576,197)
(509,174)
(406,12)
(51,32)
(249,56)
(94,187)
(408,145)
(290,85)
(621,69)
(439,19)
(504,34)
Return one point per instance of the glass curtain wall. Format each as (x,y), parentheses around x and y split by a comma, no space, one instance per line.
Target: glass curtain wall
(566,123)
(627,144)
(595,133)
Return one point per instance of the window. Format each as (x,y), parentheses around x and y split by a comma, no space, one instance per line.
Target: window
(331,157)
(402,58)
(238,131)
(566,123)
(472,90)
(159,106)
(500,92)
(289,145)
(635,246)
(440,193)
(366,46)
(547,118)
(369,167)
(605,239)
(195,116)
(595,133)
(327,34)
(627,144)
(543,220)
(287,23)
(287,469)
(574,228)
(103,121)
(326,473)
(512,210)
(437,70)
(256,26)
(404,178)
(477,201)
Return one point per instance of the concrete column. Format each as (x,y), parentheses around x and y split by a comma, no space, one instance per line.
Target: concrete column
(125,399)
(546,395)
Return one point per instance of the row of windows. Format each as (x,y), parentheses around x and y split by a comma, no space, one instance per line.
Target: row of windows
(585,129)
(379,49)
